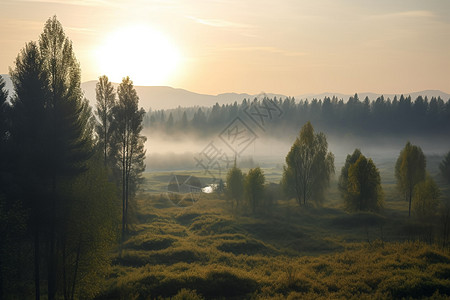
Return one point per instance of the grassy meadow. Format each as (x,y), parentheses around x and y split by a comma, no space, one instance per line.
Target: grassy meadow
(207,251)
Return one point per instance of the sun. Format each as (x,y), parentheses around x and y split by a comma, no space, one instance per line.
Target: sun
(138,51)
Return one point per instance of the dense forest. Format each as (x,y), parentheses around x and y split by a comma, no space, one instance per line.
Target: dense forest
(387,117)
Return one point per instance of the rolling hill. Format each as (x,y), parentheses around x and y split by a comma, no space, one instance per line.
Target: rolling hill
(165,97)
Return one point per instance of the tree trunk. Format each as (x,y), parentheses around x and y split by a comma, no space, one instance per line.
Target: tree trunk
(36,263)
(123,193)
(52,254)
(106,132)
(1,275)
(76,269)
(64,262)
(410,199)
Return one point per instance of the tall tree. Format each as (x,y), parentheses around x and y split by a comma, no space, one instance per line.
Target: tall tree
(106,98)
(50,118)
(29,130)
(67,137)
(129,144)
(410,170)
(363,186)
(309,166)
(444,167)
(254,188)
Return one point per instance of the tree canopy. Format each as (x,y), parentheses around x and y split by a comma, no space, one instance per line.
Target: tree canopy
(410,170)
(363,182)
(343,178)
(309,166)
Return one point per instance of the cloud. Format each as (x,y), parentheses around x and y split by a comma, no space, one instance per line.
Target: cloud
(219,23)
(267,49)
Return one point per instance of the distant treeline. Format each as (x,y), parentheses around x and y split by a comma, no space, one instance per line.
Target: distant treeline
(403,115)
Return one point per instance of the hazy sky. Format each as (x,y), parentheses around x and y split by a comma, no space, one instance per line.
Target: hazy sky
(289,47)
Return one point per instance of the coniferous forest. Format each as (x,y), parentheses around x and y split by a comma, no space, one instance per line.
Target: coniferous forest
(401,116)
(83,217)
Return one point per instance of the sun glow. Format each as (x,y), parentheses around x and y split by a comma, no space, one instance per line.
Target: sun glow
(140,52)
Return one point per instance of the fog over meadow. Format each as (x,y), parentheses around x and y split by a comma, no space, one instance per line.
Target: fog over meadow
(170,153)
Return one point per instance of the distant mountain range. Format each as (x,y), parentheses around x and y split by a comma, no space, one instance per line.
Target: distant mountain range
(164,97)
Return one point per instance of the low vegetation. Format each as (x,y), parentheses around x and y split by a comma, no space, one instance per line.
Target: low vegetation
(207,251)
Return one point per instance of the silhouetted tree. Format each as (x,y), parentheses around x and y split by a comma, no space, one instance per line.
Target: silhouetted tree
(363,186)
(106,99)
(30,138)
(410,170)
(68,140)
(381,116)
(128,149)
(309,166)
(52,139)
(254,188)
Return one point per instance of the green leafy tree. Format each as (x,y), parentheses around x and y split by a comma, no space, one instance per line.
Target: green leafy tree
(235,185)
(309,166)
(106,98)
(444,167)
(254,188)
(410,170)
(343,178)
(426,198)
(363,186)
(128,143)
(85,253)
